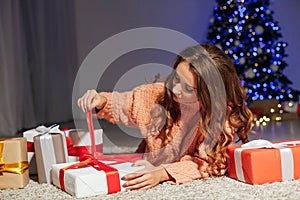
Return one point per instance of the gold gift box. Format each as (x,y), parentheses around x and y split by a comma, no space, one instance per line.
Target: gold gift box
(13,163)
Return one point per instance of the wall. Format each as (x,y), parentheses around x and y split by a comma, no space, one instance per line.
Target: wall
(287,14)
(98,20)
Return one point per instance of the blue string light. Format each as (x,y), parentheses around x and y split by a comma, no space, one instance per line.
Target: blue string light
(249,35)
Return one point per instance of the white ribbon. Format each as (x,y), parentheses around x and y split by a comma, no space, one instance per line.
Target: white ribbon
(238,164)
(287,160)
(48,154)
(43,129)
(256,144)
(47,148)
(287,164)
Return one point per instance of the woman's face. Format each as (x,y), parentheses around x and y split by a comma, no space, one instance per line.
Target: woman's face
(184,84)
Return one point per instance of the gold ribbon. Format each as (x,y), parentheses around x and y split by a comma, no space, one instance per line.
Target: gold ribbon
(15,167)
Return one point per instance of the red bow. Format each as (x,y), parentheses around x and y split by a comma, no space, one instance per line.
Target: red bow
(112,174)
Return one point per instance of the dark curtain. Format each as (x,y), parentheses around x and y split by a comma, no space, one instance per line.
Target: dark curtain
(38,63)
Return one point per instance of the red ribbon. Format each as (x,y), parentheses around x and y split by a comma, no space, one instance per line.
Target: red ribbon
(30,147)
(81,150)
(112,174)
(89,120)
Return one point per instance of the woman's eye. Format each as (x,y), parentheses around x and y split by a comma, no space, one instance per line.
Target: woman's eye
(189,89)
(176,79)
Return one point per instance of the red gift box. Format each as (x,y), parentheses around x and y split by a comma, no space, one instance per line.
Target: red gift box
(260,161)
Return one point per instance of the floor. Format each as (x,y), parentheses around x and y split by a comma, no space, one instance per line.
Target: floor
(118,137)
(282,130)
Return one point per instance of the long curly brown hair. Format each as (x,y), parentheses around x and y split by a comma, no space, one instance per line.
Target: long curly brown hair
(221,97)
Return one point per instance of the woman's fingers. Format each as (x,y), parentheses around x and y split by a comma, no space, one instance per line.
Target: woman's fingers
(139,186)
(80,103)
(141,163)
(89,100)
(145,178)
(140,181)
(86,102)
(132,176)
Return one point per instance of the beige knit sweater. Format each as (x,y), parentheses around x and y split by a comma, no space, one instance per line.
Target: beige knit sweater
(184,157)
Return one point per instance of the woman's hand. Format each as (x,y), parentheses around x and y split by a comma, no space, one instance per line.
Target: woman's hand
(90,100)
(146,178)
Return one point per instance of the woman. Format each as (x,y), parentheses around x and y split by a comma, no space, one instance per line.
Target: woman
(187,122)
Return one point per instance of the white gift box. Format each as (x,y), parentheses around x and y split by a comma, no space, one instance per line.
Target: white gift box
(29,135)
(81,138)
(87,181)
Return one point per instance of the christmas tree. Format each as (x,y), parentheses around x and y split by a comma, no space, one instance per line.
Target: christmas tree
(247,32)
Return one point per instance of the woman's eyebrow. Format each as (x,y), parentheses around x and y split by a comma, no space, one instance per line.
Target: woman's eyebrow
(186,84)
(183,79)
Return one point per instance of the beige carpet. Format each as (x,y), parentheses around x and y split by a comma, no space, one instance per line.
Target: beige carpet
(209,188)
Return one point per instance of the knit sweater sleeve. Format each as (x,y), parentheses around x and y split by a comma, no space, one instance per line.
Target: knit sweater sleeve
(131,108)
(186,170)
(190,168)
(195,165)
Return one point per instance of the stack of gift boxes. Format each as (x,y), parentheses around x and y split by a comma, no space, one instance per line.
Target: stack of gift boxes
(69,159)
(73,161)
